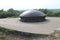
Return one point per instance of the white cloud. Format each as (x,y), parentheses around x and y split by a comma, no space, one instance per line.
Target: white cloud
(29,4)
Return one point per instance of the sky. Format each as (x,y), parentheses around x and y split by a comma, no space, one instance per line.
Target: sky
(29,4)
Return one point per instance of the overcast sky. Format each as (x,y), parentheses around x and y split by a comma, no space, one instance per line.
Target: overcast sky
(29,4)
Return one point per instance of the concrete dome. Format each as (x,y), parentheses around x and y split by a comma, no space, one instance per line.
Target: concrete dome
(32,16)
(32,13)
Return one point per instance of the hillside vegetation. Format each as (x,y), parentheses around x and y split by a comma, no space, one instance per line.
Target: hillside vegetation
(15,13)
(51,12)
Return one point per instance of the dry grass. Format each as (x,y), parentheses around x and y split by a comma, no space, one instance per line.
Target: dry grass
(6,34)
(22,36)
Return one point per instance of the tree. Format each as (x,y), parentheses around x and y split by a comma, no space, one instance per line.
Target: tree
(44,10)
(12,12)
(2,10)
(2,13)
(50,13)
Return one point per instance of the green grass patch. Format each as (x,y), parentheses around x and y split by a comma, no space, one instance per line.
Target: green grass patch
(12,17)
(4,30)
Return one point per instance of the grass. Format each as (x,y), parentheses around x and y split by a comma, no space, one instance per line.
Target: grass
(12,17)
(4,32)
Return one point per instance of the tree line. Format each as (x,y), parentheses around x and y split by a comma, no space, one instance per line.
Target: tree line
(50,13)
(9,13)
(15,13)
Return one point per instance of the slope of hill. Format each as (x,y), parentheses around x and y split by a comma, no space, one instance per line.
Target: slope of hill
(54,10)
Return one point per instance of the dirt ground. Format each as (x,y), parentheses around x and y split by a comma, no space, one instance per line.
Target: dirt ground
(22,36)
(27,36)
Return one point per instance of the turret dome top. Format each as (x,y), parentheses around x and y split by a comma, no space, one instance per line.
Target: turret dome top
(32,13)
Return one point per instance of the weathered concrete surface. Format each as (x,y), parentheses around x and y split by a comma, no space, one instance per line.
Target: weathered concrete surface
(46,27)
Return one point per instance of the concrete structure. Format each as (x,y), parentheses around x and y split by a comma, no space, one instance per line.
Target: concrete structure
(46,27)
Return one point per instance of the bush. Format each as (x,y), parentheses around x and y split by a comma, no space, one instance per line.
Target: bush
(9,13)
(53,14)
(3,15)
